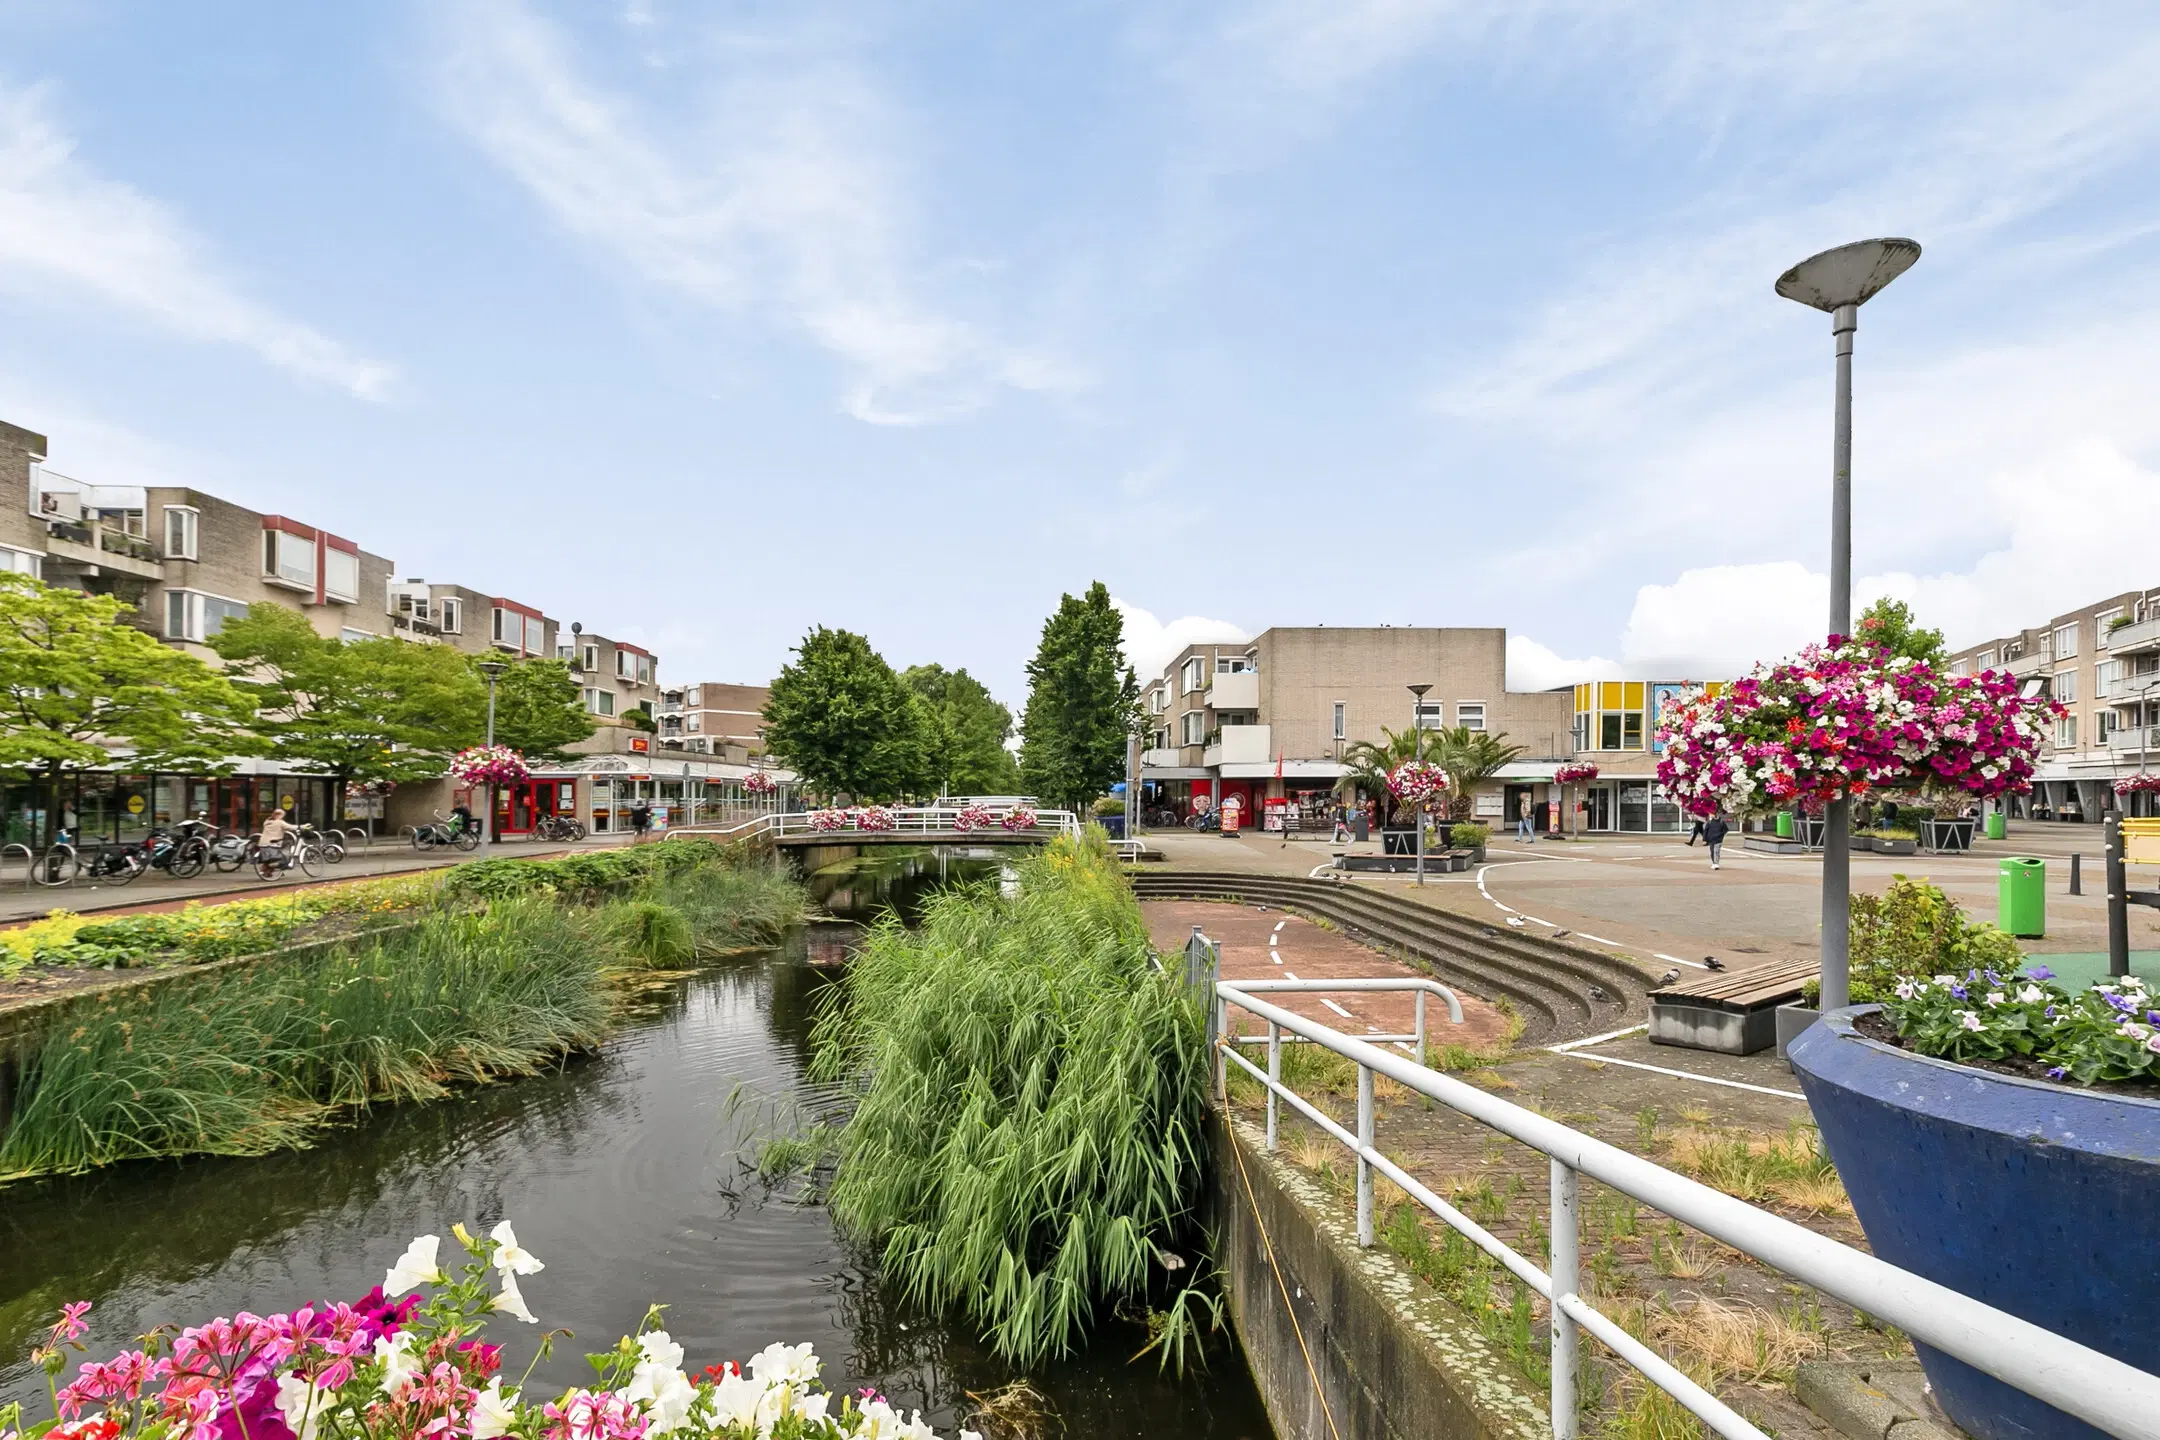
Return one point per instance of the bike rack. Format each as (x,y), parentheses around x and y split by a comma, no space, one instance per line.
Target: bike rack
(29,861)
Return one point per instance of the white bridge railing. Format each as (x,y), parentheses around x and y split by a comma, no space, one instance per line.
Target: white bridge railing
(2096,1388)
(941,822)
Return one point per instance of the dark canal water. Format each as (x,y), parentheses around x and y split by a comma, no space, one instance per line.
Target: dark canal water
(622,1172)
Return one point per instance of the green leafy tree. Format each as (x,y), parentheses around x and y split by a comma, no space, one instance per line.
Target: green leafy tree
(540,709)
(1370,761)
(1083,703)
(75,678)
(1470,758)
(1890,622)
(966,731)
(380,709)
(842,720)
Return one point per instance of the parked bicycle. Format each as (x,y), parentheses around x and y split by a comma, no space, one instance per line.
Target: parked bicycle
(560,827)
(184,851)
(445,831)
(330,845)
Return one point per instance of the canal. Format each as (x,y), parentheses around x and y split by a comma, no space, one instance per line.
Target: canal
(623,1171)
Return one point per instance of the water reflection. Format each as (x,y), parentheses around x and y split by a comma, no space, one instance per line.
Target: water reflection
(623,1174)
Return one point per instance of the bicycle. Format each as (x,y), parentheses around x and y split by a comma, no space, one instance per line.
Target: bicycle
(120,864)
(560,827)
(272,861)
(330,845)
(445,831)
(57,866)
(230,852)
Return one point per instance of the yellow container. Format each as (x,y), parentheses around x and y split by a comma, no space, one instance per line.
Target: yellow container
(2141,842)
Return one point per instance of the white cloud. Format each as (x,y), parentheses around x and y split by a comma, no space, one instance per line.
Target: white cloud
(786,198)
(1531,666)
(67,232)
(1151,644)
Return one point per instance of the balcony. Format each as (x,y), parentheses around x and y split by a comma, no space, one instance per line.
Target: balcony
(2134,639)
(420,629)
(2039,662)
(2123,744)
(1241,745)
(1240,691)
(90,547)
(1161,758)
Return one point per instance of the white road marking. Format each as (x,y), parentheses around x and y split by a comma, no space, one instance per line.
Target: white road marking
(1333,1006)
(1684,1075)
(1276,958)
(1290,975)
(1279,924)
(1600,939)
(1676,960)
(1567,1045)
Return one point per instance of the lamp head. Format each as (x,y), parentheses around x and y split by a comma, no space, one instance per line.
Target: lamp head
(1848,275)
(493,669)
(1418,690)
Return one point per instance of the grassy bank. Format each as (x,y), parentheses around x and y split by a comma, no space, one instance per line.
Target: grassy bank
(1026,1145)
(475,987)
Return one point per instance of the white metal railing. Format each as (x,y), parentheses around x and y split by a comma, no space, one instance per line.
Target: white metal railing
(939,821)
(2096,1388)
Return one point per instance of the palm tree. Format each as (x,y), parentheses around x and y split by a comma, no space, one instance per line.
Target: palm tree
(1470,757)
(1370,762)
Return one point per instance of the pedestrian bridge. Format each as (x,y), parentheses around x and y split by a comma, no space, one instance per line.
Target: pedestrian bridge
(896,825)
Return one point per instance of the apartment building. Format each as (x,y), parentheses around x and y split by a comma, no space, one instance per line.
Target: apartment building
(617,676)
(2101,663)
(1268,720)
(714,718)
(470,621)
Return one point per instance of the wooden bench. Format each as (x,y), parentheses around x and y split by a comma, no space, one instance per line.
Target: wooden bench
(1733,1012)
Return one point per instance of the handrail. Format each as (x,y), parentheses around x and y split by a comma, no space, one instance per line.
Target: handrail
(938,820)
(2097,1388)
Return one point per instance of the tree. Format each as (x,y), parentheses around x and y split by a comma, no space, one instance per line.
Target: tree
(377,709)
(1083,703)
(966,732)
(843,721)
(1371,761)
(540,709)
(75,678)
(1470,758)
(1889,622)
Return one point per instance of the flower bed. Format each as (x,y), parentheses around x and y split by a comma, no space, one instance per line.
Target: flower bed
(1846,720)
(2023,1023)
(395,1364)
(1575,774)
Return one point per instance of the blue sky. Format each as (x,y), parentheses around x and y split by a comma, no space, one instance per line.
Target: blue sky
(702,324)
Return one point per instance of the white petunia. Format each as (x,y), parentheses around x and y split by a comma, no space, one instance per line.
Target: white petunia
(492,1415)
(2032,995)
(659,1383)
(511,1257)
(1969,1020)
(779,1364)
(400,1365)
(1995,997)
(296,1402)
(511,1302)
(659,1348)
(416,1267)
(735,1400)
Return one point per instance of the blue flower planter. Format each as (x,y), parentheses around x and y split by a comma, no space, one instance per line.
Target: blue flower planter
(2038,1199)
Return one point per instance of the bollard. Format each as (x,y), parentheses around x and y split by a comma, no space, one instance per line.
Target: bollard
(2118,899)
(2077,879)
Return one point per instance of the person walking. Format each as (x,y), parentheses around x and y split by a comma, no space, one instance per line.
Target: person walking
(640,820)
(1342,823)
(1713,834)
(1523,831)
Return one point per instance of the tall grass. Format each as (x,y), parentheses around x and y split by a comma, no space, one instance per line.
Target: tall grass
(255,1060)
(731,906)
(1027,1141)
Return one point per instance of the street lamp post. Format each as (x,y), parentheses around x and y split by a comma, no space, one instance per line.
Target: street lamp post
(1417,749)
(493,669)
(1840,281)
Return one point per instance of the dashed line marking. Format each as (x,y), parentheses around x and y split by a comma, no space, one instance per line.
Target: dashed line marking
(1290,974)
(1676,960)
(1279,924)
(1600,939)
(1335,1007)
(1276,958)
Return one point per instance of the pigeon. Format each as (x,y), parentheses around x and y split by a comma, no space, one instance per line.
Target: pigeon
(1711,962)
(1487,929)
(1597,992)
(1668,977)
(1515,920)
(1557,934)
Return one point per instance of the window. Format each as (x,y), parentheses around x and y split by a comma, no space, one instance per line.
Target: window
(1961,667)
(1232,665)
(1631,730)
(1986,660)
(508,626)
(452,611)
(2065,686)
(2107,678)
(625,664)
(2104,622)
(182,525)
(192,615)
(1470,714)
(348,635)
(1582,730)
(1158,700)
(415,606)
(600,702)
(21,562)
(289,558)
(1609,731)
(1192,675)
(645,665)
(341,575)
(1342,721)
(592,657)
(697,723)
(2066,638)
(2110,722)
(2066,732)
(1195,723)
(535,635)
(695,696)
(1428,715)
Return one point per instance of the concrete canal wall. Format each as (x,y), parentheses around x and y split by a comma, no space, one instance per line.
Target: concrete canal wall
(1334,1331)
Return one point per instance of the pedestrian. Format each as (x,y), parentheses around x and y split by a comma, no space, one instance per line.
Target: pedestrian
(1522,821)
(640,819)
(1342,823)
(1713,834)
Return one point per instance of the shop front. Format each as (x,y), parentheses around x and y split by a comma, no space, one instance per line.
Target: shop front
(118,807)
(1630,807)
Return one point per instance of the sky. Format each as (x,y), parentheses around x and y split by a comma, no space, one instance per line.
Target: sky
(703,324)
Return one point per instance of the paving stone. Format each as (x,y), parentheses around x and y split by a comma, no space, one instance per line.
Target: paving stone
(1842,1396)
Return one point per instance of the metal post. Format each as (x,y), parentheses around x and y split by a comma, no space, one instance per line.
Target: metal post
(1563,1266)
(1274,1075)
(2118,898)
(1421,1027)
(1837,816)
(1132,786)
(487,815)
(2077,879)
(1364,1166)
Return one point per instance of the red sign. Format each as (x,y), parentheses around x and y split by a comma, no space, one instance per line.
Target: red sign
(639,744)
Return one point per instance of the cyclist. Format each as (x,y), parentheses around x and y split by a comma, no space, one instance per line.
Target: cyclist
(461,818)
(277,834)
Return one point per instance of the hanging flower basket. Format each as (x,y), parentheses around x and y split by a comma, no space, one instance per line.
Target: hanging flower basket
(1575,774)
(364,789)
(1419,784)
(757,782)
(974,817)
(1848,719)
(1020,817)
(828,819)
(2136,783)
(489,765)
(876,817)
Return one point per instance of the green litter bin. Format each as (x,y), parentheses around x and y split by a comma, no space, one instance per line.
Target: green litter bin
(2021,898)
(1784,824)
(1997,827)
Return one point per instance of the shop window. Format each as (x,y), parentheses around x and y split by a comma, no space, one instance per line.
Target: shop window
(1342,721)
(1470,714)
(182,525)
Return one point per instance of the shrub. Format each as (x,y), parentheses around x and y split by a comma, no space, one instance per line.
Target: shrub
(1110,805)
(1469,835)
(1913,928)
(646,931)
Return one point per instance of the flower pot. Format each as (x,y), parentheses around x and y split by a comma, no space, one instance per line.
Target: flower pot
(1477,855)
(1862,841)
(1791,1021)
(1398,842)
(1811,831)
(2035,1198)
(1947,835)
(1896,847)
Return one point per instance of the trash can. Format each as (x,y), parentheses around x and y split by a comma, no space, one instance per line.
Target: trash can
(1784,824)
(2021,898)
(1997,827)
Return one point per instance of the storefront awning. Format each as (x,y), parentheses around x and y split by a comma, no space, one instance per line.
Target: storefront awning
(1528,770)
(1291,770)
(1176,772)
